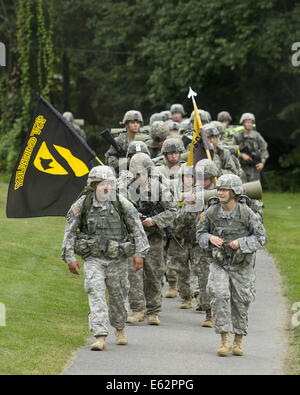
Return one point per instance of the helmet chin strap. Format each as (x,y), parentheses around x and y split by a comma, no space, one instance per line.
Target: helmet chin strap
(230,198)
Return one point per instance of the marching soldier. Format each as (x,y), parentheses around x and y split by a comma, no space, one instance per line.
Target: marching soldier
(133,121)
(171,149)
(231,233)
(185,223)
(70,118)
(177,112)
(222,157)
(253,149)
(145,190)
(158,134)
(104,229)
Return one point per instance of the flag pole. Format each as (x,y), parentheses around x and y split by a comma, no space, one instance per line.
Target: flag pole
(192,95)
(98,160)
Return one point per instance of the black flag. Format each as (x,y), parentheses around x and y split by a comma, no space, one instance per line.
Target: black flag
(52,168)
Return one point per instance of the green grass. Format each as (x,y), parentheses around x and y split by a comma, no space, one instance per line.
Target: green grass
(46,306)
(282,221)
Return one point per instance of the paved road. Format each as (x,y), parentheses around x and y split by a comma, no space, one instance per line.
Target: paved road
(181,346)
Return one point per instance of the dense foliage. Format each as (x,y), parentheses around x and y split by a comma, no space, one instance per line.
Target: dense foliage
(99,59)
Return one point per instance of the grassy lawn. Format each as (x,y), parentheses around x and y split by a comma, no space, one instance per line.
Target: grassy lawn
(282,221)
(46,306)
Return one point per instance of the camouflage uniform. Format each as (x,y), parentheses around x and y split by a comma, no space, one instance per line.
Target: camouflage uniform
(231,281)
(200,262)
(170,179)
(183,260)
(158,133)
(222,157)
(123,140)
(153,263)
(102,243)
(224,161)
(255,145)
(70,118)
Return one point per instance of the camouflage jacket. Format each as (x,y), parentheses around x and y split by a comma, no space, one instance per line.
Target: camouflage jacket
(130,217)
(254,142)
(154,191)
(241,224)
(123,141)
(224,161)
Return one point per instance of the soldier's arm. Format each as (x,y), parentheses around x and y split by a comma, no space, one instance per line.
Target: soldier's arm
(72,224)
(134,225)
(264,154)
(203,231)
(257,238)
(167,217)
(112,158)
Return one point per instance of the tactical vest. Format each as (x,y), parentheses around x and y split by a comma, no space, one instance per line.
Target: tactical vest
(102,231)
(238,228)
(105,223)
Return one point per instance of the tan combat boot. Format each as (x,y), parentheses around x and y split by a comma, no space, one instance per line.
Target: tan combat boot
(121,337)
(135,317)
(153,319)
(99,343)
(186,304)
(172,290)
(237,348)
(208,323)
(198,304)
(225,345)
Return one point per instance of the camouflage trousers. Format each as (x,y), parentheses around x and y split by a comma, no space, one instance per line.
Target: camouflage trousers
(153,274)
(136,289)
(250,174)
(99,274)
(194,280)
(231,293)
(170,273)
(179,260)
(201,265)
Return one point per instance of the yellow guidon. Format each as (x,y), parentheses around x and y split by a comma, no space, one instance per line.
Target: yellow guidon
(46,163)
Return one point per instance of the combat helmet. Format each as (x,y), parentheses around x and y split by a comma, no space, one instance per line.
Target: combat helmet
(210,129)
(171,125)
(158,132)
(185,127)
(132,115)
(246,116)
(230,181)
(172,145)
(204,116)
(177,108)
(68,116)
(206,167)
(155,117)
(224,116)
(219,125)
(140,163)
(101,173)
(166,115)
(135,147)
